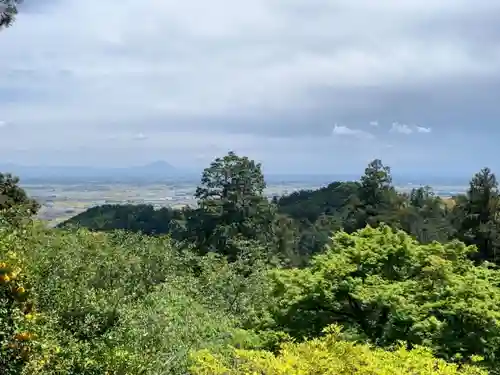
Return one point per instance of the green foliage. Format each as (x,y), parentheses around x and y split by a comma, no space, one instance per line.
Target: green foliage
(387,287)
(239,288)
(426,216)
(376,200)
(8,12)
(478,220)
(125,303)
(16,313)
(141,218)
(353,205)
(232,207)
(107,297)
(311,204)
(13,196)
(156,333)
(222,284)
(329,356)
(307,218)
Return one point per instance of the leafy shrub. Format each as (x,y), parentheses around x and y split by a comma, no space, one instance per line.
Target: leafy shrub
(160,330)
(125,303)
(327,356)
(240,288)
(385,287)
(15,312)
(21,327)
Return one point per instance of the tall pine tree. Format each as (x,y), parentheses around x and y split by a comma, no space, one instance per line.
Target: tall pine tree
(377,201)
(232,207)
(478,222)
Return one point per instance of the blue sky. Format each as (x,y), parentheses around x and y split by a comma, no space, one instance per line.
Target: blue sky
(300,85)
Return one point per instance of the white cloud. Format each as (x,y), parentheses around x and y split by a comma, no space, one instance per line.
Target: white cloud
(374,123)
(421,129)
(344,130)
(400,128)
(2,124)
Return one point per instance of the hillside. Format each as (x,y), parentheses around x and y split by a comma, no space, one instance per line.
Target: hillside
(305,218)
(352,278)
(133,218)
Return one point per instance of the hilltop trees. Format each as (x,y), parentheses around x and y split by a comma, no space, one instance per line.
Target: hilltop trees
(231,206)
(376,200)
(233,213)
(478,220)
(378,197)
(426,216)
(141,218)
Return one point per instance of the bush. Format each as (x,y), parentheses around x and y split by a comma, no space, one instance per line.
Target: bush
(385,287)
(124,303)
(327,356)
(22,345)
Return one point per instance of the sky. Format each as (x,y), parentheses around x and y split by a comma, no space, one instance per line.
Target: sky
(303,86)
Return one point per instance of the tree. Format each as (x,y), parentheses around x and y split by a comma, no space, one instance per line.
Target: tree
(377,200)
(426,216)
(12,196)
(421,196)
(384,287)
(479,223)
(287,240)
(232,206)
(8,12)
(376,180)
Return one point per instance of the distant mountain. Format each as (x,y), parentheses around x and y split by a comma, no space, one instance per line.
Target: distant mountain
(156,171)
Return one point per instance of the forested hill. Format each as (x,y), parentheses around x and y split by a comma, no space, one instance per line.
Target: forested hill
(141,218)
(353,278)
(303,220)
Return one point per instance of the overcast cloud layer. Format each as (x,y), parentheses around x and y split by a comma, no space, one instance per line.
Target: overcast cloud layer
(301,85)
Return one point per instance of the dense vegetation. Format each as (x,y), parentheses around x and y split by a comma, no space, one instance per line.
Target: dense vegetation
(353,278)
(299,225)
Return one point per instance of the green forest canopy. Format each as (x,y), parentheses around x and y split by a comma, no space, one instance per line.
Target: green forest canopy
(352,278)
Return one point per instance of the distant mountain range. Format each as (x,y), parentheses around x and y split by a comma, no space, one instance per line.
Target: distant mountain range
(159,170)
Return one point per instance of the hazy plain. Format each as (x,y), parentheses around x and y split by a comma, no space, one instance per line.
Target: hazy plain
(61,201)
